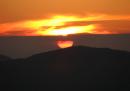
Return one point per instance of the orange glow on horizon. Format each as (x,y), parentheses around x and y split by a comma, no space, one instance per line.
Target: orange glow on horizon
(65,43)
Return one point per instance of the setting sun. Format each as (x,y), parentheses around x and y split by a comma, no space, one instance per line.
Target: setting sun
(65,43)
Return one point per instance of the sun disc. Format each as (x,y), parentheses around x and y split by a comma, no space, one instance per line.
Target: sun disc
(65,43)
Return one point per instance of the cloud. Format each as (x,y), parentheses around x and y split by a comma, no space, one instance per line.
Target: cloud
(21,32)
(106,25)
(16,10)
(115,26)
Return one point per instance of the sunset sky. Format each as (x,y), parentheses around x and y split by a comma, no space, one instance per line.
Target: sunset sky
(63,17)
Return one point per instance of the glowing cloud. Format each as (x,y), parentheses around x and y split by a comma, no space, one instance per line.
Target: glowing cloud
(58,26)
(62,25)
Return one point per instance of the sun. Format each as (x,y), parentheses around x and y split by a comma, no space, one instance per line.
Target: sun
(65,43)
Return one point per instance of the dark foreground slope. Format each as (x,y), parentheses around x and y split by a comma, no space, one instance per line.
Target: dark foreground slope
(4,58)
(76,68)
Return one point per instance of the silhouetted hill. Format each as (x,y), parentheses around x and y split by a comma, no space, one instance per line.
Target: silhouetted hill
(74,68)
(4,58)
(88,53)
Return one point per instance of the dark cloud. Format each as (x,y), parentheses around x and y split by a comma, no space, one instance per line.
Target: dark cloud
(20,32)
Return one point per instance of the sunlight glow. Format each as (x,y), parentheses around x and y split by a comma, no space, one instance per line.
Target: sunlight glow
(65,43)
(57,26)
(64,25)
(68,30)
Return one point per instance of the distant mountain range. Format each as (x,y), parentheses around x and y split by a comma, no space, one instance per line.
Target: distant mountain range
(75,68)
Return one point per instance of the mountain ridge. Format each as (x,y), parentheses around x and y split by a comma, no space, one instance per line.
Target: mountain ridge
(92,69)
(80,49)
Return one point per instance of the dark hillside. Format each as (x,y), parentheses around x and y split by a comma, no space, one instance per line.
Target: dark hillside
(92,69)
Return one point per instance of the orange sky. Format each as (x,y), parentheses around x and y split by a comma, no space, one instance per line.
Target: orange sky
(107,16)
